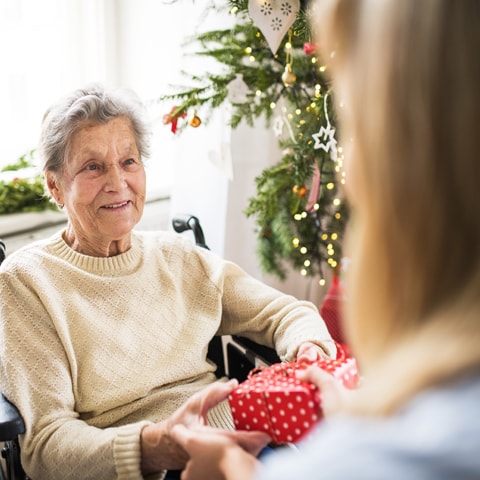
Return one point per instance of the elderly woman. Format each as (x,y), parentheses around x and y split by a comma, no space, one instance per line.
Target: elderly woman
(407,73)
(105,329)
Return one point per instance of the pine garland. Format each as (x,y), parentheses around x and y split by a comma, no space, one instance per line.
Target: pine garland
(23,194)
(288,233)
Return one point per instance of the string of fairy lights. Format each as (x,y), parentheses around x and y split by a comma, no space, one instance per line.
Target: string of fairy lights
(290,87)
(329,239)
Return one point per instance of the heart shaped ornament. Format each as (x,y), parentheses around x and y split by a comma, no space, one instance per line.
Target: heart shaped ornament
(273,18)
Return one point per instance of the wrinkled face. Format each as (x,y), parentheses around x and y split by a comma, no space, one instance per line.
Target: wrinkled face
(103,184)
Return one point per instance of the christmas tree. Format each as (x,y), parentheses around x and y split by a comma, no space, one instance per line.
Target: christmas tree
(270,69)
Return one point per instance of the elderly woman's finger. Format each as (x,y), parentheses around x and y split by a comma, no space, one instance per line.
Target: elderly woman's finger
(215,393)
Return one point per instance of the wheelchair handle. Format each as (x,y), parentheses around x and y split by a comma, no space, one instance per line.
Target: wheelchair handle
(2,251)
(183,223)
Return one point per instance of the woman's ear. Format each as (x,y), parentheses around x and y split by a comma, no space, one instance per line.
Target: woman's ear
(54,187)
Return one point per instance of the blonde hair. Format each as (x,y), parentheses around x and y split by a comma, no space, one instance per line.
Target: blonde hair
(407,74)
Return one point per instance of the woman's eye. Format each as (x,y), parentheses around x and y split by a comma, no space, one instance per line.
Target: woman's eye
(92,167)
(130,161)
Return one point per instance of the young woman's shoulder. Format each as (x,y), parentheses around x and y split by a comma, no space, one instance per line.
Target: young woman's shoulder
(436,436)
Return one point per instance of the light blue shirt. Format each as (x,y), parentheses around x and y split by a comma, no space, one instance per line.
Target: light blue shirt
(435,437)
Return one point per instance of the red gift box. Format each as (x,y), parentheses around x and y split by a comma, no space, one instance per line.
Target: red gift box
(274,401)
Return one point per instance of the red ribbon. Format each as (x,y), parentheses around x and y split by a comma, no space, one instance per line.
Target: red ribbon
(173,117)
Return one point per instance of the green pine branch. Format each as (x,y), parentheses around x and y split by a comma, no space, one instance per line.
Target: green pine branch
(289,234)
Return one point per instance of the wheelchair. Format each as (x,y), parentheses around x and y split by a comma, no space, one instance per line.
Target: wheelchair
(234,356)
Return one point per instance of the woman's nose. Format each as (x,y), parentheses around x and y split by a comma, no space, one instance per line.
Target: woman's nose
(115,177)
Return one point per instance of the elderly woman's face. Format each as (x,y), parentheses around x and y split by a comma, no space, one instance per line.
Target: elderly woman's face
(103,184)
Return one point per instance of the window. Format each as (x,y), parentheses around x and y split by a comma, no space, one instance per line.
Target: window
(50,47)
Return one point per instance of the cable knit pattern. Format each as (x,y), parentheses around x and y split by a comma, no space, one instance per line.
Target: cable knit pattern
(95,348)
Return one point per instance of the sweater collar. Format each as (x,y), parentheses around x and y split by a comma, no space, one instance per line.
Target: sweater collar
(124,263)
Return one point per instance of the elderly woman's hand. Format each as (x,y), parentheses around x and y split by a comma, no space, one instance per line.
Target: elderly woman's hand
(159,449)
(310,352)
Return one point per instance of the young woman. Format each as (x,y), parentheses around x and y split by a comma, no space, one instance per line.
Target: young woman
(406,76)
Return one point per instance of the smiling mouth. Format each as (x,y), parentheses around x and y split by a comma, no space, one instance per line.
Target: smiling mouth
(117,205)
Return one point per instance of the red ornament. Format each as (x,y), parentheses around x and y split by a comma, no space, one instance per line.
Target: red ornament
(309,48)
(173,117)
(314,189)
(331,310)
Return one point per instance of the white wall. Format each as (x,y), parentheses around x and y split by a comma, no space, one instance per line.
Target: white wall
(254,149)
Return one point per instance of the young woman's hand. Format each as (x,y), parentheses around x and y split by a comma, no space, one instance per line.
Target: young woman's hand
(334,394)
(219,454)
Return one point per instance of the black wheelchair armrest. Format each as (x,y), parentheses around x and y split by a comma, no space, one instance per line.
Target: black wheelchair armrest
(11,423)
(243,355)
(261,352)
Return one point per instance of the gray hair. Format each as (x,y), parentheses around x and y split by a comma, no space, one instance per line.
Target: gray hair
(95,104)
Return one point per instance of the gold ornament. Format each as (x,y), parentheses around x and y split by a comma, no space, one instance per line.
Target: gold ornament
(195,120)
(300,190)
(288,76)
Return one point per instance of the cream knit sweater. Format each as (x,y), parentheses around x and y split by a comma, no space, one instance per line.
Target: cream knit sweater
(92,349)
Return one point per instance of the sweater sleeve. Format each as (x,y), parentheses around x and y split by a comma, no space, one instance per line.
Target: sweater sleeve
(264,314)
(57,444)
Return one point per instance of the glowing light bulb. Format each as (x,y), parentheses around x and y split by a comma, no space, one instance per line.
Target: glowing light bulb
(322,282)
(303,250)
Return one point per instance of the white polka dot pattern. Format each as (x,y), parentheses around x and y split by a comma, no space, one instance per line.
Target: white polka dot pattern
(274,401)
